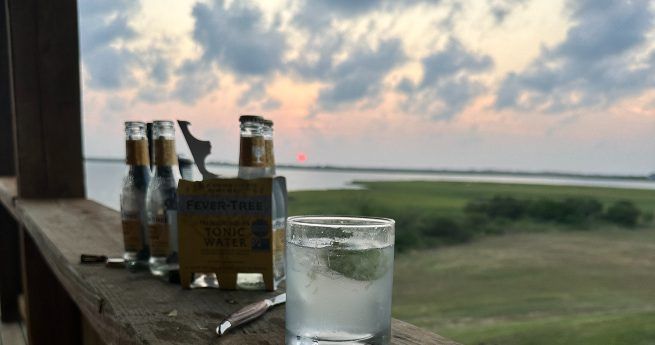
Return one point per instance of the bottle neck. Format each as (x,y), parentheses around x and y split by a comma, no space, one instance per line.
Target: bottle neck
(135,130)
(136,152)
(163,129)
(252,151)
(165,155)
(267,132)
(251,129)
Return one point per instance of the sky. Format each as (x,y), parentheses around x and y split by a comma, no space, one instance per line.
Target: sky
(560,85)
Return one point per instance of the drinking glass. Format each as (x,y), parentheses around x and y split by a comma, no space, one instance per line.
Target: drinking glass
(339,279)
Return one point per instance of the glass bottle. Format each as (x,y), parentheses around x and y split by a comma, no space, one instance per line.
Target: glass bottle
(133,195)
(267,131)
(252,150)
(252,164)
(279,207)
(255,161)
(162,201)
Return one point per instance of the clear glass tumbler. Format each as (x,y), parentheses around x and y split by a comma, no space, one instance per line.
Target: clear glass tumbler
(339,279)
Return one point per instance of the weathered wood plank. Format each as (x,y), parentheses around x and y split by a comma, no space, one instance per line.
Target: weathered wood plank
(10,284)
(89,334)
(11,334)
(134,308)
(9,267)
(22,309)
(124,307)
(8,194)
(52,317)
(7,159)
(45,66)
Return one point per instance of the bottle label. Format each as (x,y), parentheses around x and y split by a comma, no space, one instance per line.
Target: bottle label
(158,236)
(252,152)
(270,156)
(136,152)
(132,235)
(165,152)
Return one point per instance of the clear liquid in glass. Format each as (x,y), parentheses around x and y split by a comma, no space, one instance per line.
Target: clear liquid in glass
(338,294)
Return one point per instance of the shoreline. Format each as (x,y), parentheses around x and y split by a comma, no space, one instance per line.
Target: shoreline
(469,172)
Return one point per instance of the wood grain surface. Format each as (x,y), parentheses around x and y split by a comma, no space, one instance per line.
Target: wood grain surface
(8,194)
(9,267)
(135,308)
(7,161)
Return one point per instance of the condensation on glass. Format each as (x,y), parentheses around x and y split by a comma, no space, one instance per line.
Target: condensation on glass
(339,280)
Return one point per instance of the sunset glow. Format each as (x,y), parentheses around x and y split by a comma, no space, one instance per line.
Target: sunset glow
(507,84)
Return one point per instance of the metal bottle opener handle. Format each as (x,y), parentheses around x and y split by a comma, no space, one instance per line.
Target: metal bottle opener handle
(249,313)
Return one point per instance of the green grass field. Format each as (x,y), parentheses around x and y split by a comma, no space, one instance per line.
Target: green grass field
(446,198)
(594,286)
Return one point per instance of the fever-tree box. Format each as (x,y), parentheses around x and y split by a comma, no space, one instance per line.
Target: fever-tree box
(232,226)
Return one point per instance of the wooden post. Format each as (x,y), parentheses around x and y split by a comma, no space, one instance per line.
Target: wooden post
(44,57)
(9,267)
(7,157)
(46,77)
(9,254)
(52,317)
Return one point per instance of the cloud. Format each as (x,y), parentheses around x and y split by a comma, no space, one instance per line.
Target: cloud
(116,104)
(238,39)
(196,79)
(234,39)
(157,70)
(450,61)
(256,91)
(109,68)
(446,86)
(255,96)
(359,76)
(315,15)
(271,104)
(103,23)
(160,70)
(500,9)
(603,59)
(152,94)
(318,58)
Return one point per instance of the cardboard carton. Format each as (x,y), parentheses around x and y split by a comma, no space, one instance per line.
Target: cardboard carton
(232,226)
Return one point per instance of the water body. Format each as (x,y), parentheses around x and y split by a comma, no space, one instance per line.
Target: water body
(104,179)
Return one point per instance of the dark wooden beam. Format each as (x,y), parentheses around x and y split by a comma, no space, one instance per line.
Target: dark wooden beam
(7,157)
(52,316)
(10,283)
(9,267)
(46,85)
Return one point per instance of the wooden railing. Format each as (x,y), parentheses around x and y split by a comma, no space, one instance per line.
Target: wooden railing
(119,307)
(46,223)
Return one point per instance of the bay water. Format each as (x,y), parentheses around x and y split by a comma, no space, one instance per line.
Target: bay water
(104,179)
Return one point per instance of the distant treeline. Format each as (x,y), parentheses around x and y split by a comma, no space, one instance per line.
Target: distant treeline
(500,214)
(570,211)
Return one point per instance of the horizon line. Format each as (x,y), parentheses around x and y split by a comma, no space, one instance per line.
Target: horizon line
(472,171)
